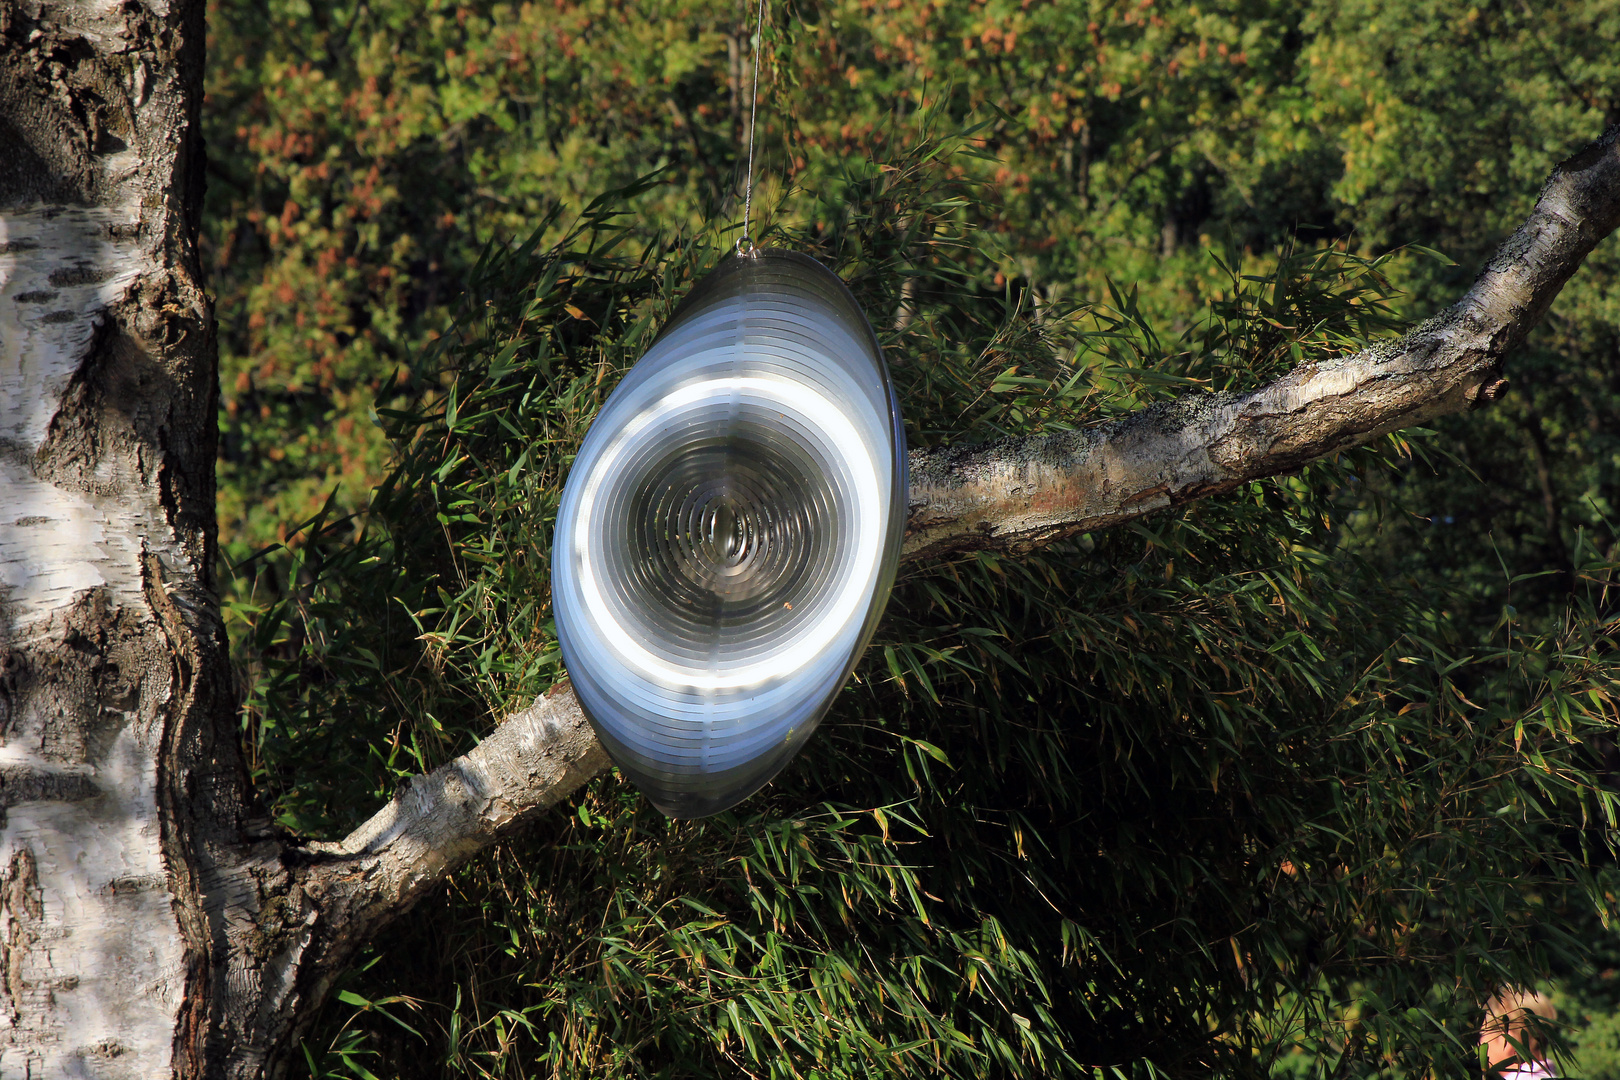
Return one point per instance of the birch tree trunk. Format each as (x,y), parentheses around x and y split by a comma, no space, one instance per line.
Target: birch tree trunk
(117,764)
(151,922)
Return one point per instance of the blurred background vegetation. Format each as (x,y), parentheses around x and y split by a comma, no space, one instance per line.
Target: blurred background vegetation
(1284,784)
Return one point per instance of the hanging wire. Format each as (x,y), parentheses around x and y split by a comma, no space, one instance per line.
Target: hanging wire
(745,244)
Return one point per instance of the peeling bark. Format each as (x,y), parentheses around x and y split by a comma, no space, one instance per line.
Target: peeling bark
(107,430)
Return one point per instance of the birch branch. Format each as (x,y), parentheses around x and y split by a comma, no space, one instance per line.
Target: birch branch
(1017,494)
(435,823)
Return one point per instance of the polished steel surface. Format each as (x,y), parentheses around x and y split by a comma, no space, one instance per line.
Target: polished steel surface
(730,530)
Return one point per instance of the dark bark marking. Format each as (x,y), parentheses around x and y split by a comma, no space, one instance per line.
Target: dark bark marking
(83,274)
(20,899)
(21,784)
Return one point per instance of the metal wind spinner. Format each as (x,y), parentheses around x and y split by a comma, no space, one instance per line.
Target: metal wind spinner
(730,531)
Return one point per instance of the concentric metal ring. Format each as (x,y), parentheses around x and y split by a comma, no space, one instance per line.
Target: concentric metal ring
(729,532)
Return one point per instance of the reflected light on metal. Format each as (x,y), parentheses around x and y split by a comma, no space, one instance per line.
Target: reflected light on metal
(730,531)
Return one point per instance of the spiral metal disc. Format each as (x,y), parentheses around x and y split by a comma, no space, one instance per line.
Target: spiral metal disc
(729,532)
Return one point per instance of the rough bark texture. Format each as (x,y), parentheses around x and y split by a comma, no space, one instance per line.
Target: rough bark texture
(151,923)
(111,652)
(141,901)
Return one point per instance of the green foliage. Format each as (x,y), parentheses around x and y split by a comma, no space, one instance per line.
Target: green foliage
(349,1051)
(363,152)
(1289,780)
(1530,482)
(1164,801)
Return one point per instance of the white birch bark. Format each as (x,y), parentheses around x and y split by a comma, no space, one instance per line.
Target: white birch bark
(89,940)
(91,949)
(92,960)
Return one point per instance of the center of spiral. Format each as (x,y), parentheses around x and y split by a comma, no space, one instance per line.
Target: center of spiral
(726,538)
(725,534)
